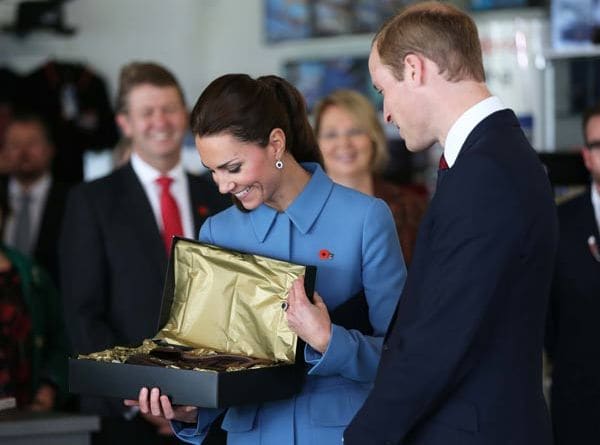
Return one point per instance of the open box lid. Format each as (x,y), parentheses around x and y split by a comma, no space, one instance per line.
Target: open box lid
(229,302)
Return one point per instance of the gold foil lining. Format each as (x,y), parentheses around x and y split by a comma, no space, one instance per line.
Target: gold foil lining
(230,302)
(120,354)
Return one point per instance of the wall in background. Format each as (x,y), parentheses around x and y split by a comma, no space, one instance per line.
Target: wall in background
(197,39)
(202,39)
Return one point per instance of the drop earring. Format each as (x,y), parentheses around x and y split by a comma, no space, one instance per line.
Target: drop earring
(279,164)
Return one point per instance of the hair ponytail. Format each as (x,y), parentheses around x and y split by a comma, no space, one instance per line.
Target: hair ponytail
(301,141)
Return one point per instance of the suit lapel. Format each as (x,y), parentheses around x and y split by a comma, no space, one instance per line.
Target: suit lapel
(195,195)
(136,211)
(503,117)
(4,204)
(205,200)
(590,216)
(440,177)
(589,225)
(51,216)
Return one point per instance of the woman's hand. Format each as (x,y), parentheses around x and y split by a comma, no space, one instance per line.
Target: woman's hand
(152,402)
(310,321)
(162,425)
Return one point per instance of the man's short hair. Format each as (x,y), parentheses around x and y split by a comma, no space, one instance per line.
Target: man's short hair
(139,73)
(438,31)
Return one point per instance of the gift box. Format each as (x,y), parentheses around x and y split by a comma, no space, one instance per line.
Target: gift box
(223,338)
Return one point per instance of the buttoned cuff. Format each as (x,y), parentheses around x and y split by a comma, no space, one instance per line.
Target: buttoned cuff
(189,431)
(334,357)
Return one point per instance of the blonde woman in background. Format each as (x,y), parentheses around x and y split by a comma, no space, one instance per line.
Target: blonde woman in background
(355,154)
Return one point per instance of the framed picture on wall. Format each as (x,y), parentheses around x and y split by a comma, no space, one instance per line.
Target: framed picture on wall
(488,5)
(575,23)
(333,17)
(287,20)
(315,78)
(301,19)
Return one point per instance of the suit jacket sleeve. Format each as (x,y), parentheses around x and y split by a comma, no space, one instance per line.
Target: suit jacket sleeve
(54,367)
(473,236)
(350,353)
(84,275)
(573,216)
(551,336)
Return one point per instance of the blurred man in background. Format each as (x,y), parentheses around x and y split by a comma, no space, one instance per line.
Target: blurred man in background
(573,328)
(117,234)
(33,201)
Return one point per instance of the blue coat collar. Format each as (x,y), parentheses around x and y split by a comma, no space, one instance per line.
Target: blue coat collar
(303,211)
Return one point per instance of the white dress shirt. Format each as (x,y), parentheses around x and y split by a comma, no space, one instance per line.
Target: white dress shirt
(463,126)
(596,202)
(39,194)
(179,189)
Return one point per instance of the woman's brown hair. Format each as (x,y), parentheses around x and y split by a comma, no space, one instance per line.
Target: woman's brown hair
(249,109)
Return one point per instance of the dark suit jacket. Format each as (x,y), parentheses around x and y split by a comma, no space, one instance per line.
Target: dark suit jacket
(113,261)
(45,251)
(573,329)
(462,360)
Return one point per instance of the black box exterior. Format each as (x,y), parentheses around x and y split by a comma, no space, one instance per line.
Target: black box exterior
(209,389)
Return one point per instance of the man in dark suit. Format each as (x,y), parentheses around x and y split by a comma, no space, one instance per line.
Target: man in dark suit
(31,198)
(573,328)
(462,359)
(117,233)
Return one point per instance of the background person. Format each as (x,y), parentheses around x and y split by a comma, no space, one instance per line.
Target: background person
(33,345)
(355,154)
(32,200)
(573,329)
(117,233)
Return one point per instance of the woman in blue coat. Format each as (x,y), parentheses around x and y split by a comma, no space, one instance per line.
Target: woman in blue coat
(254,136)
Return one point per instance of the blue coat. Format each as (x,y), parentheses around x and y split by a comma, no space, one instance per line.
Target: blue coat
(462,361)
(359,232)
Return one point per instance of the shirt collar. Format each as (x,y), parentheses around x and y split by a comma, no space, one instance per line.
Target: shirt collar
(36,191)
(463,126)
(148,174)
(303,211)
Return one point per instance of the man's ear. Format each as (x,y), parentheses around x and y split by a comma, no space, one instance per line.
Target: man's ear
(586,155)
(413,68)
(277,142)
(123,123)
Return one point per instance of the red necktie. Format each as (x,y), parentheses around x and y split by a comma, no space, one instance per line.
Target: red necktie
(169,211)
(443,164)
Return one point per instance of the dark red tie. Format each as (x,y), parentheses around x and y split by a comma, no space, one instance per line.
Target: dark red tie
(169,211)
(443,164)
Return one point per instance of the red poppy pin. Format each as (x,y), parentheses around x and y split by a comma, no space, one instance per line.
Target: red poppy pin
(203,211)
(325,254)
